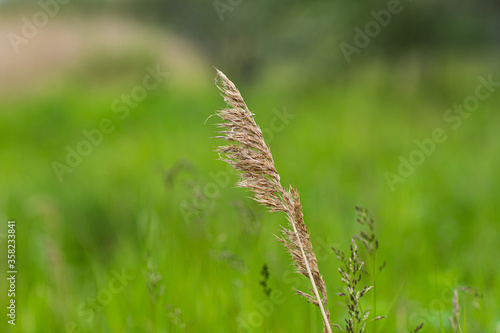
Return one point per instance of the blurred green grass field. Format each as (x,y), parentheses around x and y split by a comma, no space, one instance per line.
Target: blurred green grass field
(152,200)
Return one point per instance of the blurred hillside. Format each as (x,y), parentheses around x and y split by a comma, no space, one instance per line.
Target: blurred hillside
(98,47)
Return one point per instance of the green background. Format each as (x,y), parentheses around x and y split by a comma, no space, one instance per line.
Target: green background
(151,202)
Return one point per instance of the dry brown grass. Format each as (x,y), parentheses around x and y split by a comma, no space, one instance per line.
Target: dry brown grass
(248,153)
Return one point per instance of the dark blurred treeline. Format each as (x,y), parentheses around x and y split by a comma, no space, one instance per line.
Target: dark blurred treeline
(250,36)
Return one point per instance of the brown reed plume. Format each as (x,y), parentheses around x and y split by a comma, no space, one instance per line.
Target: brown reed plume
(248,153)
(455,320)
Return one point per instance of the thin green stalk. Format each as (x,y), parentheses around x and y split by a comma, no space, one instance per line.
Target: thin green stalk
(374,272)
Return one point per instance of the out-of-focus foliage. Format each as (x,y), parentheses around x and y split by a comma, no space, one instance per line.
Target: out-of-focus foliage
(153,200)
